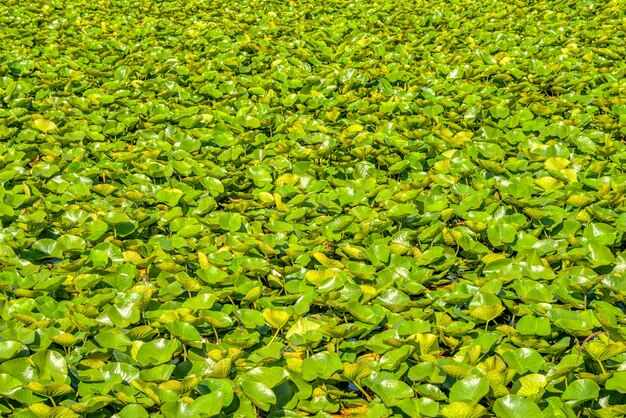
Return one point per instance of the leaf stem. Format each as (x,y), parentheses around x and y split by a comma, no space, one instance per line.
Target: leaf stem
(368,397)
(580,350)
(274,337)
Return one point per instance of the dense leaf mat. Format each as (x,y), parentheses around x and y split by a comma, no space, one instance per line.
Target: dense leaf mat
(385,208)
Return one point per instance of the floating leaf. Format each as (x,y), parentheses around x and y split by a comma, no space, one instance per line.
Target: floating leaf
(276,318)
(523,360)
(531,384)
(156,352)
(511,406)
(322,365)
(470,390)
(260,394)
(44,125)
(581,390)
(462,409)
